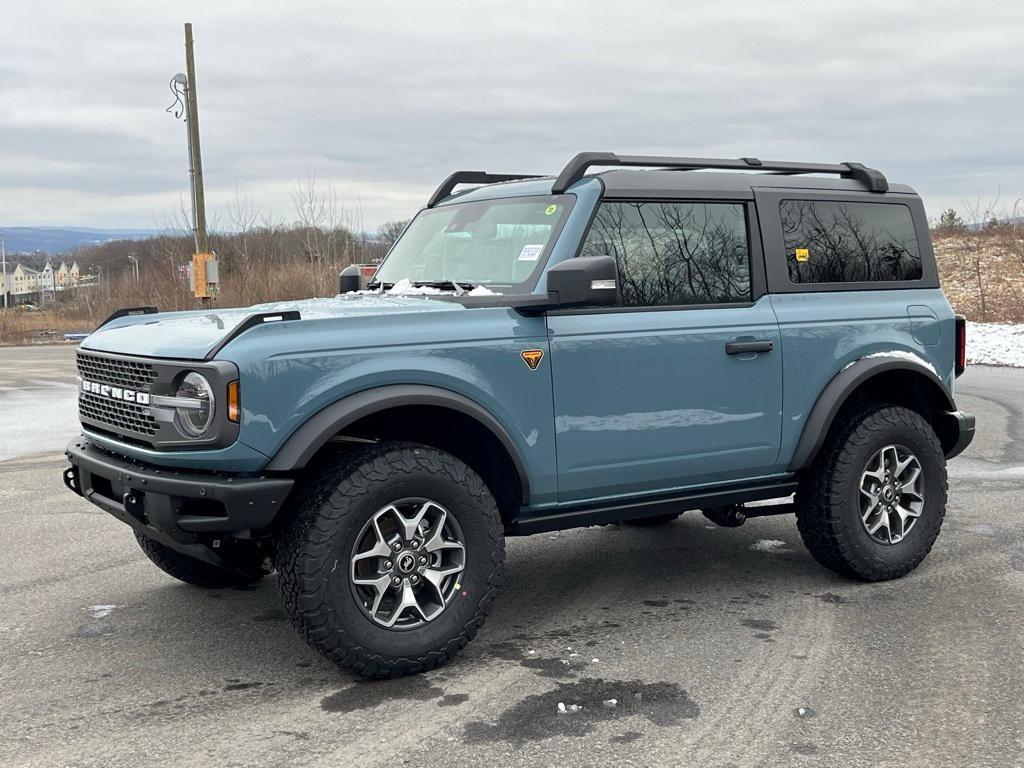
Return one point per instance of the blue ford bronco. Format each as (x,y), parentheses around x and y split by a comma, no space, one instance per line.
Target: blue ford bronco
(539,353)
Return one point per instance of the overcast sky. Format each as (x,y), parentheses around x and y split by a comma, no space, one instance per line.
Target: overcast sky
(383,99)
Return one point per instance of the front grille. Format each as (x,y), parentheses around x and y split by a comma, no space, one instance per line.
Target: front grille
(118,416)
(119,373)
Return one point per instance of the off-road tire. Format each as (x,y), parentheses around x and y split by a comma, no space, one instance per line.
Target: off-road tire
(318,536)
(653,520)
(192,571)
(827,501)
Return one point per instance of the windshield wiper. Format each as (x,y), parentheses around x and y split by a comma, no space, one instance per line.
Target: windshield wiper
(377,286)
(459,287)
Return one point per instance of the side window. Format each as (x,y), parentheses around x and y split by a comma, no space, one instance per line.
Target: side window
(833,242)
(674,253)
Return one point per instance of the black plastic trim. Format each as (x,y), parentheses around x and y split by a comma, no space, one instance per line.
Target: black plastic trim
(128,312)
(157,494)
(577,168)
(600,514)
(965,432)
(838,390)
(251,322)
(473,177)
(311,436)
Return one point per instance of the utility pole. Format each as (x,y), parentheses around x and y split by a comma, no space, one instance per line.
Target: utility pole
(3,257)
(205,276)
(195,155)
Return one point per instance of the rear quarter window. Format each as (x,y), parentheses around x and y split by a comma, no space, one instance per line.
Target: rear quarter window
(849,242)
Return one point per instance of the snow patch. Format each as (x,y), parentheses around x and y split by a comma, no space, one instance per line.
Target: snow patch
(995,344)
(404,287)
(101,611)
(768,545)
(901,354)
(482,290)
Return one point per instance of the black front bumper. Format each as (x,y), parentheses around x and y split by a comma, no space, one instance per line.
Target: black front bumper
(185,510)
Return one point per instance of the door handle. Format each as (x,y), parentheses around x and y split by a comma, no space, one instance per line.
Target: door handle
(743,347)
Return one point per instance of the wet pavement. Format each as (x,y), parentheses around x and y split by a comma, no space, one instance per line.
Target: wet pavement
(717,646)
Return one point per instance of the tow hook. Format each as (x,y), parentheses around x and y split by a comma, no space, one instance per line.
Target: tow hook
(134,505)
(71,480)
(728,517)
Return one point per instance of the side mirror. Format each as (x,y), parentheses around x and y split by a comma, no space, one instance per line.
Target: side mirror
(350,279)
(584,281)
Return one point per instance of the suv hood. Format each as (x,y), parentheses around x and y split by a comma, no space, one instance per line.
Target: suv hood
(192,335)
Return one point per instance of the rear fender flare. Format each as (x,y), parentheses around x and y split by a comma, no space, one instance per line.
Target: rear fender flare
(838,391)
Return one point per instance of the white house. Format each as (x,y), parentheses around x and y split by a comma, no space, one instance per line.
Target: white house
(24,280)
(67,277)
(46,278)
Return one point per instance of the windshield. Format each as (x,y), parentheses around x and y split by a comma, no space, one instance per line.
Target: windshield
(490,242)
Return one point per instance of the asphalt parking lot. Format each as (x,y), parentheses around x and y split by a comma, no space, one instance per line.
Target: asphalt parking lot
(720,647)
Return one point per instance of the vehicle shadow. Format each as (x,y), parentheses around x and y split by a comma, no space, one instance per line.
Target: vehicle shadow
(560,585)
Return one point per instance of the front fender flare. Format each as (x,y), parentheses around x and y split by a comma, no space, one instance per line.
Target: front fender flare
(303,444)
(839,389)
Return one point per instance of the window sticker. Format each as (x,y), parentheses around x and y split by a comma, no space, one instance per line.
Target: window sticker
(803,254)
(530,252)
(550,209)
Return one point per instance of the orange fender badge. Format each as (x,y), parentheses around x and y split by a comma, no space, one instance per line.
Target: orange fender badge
(532,357)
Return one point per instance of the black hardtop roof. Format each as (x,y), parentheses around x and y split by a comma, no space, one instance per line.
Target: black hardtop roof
(670,175)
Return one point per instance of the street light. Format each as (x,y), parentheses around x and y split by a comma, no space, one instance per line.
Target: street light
(133,257)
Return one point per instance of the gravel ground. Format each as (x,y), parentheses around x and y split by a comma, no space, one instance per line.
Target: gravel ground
(719,647)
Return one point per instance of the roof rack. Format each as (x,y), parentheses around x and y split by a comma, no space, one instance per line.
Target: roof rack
(473,177)
(575,169)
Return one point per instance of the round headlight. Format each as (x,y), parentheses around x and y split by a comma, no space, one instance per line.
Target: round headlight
(196,415)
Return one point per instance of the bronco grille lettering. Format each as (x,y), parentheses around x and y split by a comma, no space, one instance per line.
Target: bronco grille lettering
(115,393)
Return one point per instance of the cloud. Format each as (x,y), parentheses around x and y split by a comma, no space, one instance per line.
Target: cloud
(385,99)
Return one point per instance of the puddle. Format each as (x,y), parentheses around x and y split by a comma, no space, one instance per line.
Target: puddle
(539,717)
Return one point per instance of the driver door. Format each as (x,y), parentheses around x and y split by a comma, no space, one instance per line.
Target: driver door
(655,394)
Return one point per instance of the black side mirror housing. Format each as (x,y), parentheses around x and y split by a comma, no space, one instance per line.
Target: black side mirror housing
(586,281)
(350,279)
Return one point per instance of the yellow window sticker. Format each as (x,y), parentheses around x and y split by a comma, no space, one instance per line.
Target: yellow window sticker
(803,254)
(550,209)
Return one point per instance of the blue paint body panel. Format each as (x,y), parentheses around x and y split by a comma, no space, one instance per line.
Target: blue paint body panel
(694,416)
(624,402)
(823,333)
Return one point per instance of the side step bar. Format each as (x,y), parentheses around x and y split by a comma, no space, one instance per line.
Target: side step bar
(576,517)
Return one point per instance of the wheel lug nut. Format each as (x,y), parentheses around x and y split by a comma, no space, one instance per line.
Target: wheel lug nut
(414,578)
(396,581)
(423,560)
(388,564)
(397,546)
(415,543)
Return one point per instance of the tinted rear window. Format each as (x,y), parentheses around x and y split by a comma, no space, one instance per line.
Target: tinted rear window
(834,242)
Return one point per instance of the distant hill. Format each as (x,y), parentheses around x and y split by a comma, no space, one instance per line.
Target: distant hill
(60,240)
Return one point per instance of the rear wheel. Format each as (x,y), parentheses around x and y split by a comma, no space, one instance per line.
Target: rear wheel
(872,504)
(391,559)
(192,571)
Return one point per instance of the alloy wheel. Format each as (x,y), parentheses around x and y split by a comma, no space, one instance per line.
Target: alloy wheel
(406,563)
(891,494)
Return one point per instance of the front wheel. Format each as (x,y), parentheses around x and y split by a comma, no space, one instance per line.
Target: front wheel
(872,504)
(391,559)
